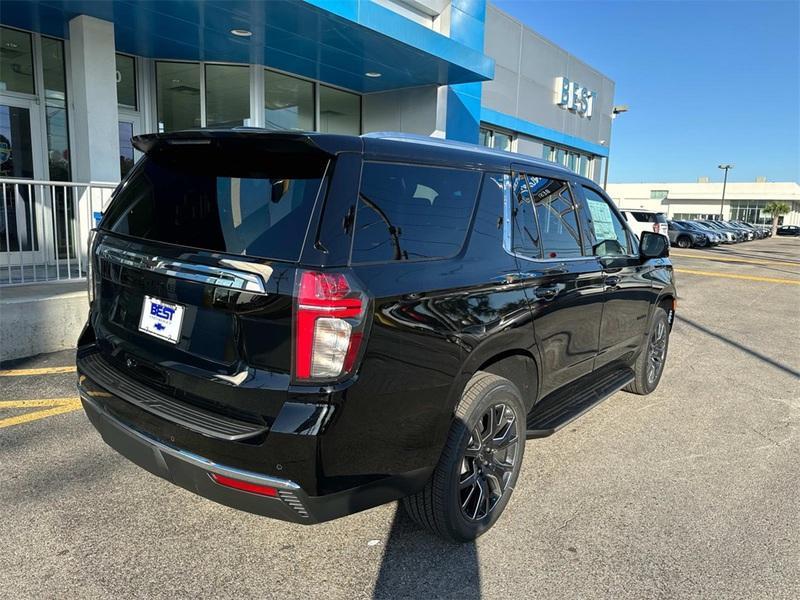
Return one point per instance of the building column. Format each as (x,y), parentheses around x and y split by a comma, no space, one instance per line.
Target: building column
(93,93)
(94,99)
(467,24)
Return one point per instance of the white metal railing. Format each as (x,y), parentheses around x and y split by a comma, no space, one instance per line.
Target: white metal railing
(44,228)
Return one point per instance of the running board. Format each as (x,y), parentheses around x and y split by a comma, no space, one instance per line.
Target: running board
(569,403)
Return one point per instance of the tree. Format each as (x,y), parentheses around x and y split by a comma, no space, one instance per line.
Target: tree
(776,209)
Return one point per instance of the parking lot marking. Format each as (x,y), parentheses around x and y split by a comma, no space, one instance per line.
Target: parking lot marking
(41,371)
(754,261)
(746,277)
(57,406)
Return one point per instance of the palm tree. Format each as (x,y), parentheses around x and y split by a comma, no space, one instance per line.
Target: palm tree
(776,209)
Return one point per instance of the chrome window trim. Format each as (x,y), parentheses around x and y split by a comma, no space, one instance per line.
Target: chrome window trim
(217,276)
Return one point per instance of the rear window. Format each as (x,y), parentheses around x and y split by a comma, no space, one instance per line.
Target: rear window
(412,212)
(648,217)
(234,199)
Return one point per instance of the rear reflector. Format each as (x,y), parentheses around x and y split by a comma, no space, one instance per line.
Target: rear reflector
(245,486)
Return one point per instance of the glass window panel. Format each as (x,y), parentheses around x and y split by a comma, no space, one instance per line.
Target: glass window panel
(16,150)
(289,102)
(57,143)
(502,141)
(524,233)
(55,87)
(610,234)
(223,199)
(584,165)
(485,137)
(227,95)
(126,81)
(16,160)
(126,157)
(561,156)
(555,214)
(178,96)
(339,112)
(16,61)
(412,212)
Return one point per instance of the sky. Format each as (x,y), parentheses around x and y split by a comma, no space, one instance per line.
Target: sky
(707,82)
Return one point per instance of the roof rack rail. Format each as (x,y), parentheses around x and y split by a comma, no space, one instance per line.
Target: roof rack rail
(445,143)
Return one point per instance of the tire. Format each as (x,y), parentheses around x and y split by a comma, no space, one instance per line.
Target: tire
(684,242)
(647,372)
(461,501)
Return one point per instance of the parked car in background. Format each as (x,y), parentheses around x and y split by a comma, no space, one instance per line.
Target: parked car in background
(747,233)
(640,220)
(715,238)
(758,232)
(304,325)
(728,237)
(732,234)
(685,237)
(789,230)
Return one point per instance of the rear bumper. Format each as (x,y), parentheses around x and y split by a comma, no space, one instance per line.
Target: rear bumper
(193,472)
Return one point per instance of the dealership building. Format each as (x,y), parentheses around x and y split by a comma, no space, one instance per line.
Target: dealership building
(78,79)
(743,201)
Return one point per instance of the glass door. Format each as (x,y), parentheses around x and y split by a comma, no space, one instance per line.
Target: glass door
(130,124)
(21,219)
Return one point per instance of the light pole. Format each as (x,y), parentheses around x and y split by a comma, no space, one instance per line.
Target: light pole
(726,168)
(618,109)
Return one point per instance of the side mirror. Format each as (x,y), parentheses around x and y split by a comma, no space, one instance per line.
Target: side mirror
(653,245)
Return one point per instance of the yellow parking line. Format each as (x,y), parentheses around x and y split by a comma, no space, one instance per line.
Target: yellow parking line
(42,371)
(746,277)
(754,261)
(58,406)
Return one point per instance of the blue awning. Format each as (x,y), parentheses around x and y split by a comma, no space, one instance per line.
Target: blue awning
(334,41)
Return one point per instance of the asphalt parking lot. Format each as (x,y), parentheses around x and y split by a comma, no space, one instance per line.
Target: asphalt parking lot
(692,491)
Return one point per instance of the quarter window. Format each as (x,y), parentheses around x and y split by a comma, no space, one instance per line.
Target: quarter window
(409,212)
(611,237)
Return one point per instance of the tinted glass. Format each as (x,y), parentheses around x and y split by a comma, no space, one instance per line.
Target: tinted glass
(55,87)
(126,156)
(524,234)
(16,62)
(339,112)
(227,95)
(223,199)
(289,102)
(555,213)
(178,96)
(408,212)
(126,81)
(611,237)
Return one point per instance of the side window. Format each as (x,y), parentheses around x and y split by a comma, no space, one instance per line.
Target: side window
(525,234)
(412,212)
(555,213)
(644,217)
(611,237)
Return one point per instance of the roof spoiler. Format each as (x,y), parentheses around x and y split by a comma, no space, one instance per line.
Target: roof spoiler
(326,143)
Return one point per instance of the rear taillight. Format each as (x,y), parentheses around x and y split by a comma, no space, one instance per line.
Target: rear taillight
(90,276)
(657,227)
(328,327)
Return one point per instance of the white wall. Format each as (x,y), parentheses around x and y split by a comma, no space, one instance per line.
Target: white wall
(411,110)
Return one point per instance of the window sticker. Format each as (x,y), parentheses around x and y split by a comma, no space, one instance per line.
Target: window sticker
(602,220)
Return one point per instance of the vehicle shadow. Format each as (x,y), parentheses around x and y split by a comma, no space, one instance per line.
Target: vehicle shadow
(416,564)
(762,357)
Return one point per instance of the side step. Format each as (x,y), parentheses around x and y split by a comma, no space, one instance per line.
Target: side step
(569,403)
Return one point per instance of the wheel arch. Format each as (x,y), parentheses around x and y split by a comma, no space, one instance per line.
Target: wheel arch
(515,362)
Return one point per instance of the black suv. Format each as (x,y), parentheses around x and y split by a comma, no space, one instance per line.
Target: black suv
(307,325)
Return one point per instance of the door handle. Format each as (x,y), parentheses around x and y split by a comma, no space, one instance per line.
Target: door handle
(546,292)
(611,281)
